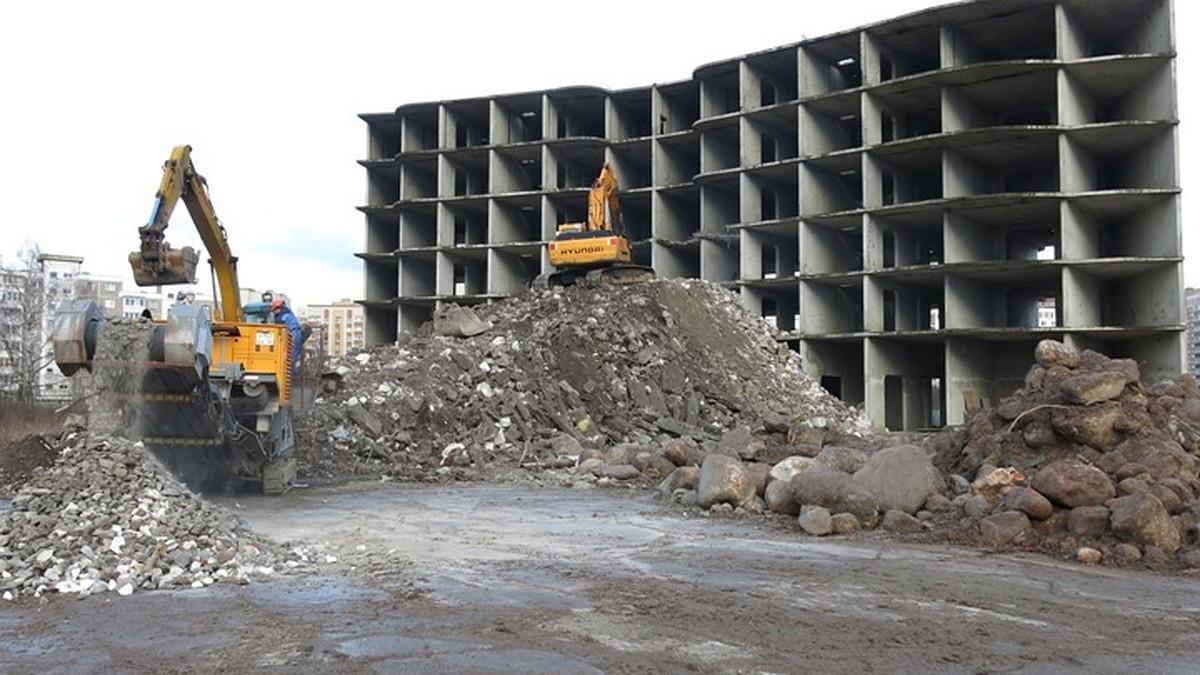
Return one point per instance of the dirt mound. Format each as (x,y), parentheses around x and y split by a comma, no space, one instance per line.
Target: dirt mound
(1084,456)
(20,458)
(604,365)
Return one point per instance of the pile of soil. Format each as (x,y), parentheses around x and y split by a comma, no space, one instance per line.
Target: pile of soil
(20,458)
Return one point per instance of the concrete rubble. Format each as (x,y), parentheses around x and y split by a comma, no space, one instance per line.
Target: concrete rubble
(538,379)
(107,518)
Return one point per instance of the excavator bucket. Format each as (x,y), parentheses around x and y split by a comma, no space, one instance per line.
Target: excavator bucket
(170,266)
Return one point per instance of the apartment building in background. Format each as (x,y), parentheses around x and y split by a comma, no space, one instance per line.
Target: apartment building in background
(903,200)
(342,323)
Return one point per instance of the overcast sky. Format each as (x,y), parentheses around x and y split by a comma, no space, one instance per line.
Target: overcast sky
(95,95)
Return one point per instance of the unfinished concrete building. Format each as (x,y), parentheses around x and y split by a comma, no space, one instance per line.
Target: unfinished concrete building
(899,199)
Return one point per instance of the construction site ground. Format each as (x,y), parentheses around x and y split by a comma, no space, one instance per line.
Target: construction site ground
(628,479)
(509,578)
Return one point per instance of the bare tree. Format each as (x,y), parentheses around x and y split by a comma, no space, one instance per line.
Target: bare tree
(24,311)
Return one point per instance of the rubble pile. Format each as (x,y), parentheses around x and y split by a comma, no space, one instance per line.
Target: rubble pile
(540,376)
(1083,461)
(834,489)
(106,517)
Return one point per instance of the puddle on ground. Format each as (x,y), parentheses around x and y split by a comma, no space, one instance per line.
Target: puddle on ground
(313,591)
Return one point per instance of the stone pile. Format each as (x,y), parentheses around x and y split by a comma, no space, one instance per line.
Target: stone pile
(106,517)
(1083,461)
(537,378)
(835,489)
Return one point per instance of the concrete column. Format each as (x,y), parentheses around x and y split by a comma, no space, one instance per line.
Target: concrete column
(1072,41)
(1080,299)
(955,49)
(1077,167)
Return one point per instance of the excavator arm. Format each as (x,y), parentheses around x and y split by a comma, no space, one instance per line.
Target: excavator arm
(156,263)
(604,211)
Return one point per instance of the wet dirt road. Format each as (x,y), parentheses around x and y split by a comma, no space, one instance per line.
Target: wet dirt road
(488,579)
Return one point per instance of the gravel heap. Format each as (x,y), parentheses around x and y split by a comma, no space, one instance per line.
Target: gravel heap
(1084,461)
(107,517)
(603,365)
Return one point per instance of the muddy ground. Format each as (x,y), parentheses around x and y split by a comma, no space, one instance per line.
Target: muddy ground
(502,579)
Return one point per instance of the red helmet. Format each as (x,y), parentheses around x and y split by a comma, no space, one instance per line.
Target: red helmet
(276,304)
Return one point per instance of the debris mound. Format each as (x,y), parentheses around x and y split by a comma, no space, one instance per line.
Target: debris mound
(106,517)
(1084,461)
(601,364)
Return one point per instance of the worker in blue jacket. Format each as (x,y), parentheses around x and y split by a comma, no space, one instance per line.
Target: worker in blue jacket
(283,314)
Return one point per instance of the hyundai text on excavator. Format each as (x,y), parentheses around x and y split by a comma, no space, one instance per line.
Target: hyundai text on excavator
(597,248)
(215,398)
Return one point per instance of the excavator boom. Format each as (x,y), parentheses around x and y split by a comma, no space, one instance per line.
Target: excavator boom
(156,263)
(604,211)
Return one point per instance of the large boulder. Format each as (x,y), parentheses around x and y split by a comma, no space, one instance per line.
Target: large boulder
(994,483)
(836,491)
(1088,521)
(1009,527)
(682,478)
(844,523)
(1094,425)
(737,442)
(456,321)
(653,466)
(1142,519)
(900,477)
(683,453)
(786,468)
(895,520)
(1030,502)
(759,475)
(724,480)
(842,458)
(1071,483)
(1054,353)
(1093,386)
(816,520)
(779,498)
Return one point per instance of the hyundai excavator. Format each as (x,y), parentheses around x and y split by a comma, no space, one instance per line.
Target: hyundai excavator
(215,397)
(597,249)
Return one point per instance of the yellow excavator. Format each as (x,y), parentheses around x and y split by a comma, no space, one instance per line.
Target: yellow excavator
(215,396)
(598,248)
